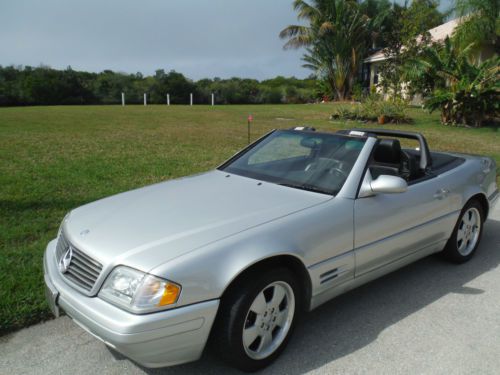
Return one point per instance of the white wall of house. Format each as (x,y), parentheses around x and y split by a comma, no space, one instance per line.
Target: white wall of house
(438,33)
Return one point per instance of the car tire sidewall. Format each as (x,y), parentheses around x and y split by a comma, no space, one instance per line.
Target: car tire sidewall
(451,250)
(234,309)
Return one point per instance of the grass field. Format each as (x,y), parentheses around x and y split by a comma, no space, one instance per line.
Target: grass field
(53,159)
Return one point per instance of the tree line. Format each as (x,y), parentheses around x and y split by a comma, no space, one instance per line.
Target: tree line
(46,86)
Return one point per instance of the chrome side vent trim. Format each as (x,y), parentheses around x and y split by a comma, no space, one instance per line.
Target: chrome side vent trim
(329,275)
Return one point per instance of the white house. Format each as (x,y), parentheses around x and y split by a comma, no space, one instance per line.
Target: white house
(371,75)
(372,62)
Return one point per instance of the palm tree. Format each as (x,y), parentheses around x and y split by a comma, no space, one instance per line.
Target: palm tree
(480,23)
(464,92)
(335,40)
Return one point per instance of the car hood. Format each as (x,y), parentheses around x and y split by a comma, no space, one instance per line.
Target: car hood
(149,226)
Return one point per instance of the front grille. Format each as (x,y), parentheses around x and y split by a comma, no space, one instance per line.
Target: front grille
(82,269)
(62,246)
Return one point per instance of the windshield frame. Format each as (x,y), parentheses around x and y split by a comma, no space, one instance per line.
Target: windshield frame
(280,180)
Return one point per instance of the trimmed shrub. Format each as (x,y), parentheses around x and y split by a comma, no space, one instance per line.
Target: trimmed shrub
(374,109)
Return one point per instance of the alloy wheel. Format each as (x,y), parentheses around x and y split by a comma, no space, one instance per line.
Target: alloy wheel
(468,231)
(268,320)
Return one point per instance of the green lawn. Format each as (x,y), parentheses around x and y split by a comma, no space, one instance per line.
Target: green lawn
(55,158)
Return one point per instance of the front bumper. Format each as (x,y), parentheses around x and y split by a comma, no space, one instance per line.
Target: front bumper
(153,340)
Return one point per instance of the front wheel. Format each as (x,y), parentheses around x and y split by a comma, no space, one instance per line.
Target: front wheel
(257,318)
(467,233)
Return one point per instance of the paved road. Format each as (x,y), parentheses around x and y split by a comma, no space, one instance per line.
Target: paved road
(430,317)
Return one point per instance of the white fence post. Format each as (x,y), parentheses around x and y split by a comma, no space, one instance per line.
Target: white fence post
(145,101)
(168,99)
(123,99)
(213,99)
(190,99)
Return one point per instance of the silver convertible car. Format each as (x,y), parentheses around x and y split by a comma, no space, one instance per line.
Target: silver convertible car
(234,256)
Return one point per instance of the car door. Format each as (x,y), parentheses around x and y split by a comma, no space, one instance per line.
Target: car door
(389,227)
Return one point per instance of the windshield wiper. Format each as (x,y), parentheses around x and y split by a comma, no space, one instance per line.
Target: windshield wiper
(306,187)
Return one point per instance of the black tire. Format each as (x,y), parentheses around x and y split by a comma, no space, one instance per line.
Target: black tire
(451,251)
(227,333)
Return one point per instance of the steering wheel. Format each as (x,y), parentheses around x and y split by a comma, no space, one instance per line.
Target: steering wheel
(338,171)
(333,170)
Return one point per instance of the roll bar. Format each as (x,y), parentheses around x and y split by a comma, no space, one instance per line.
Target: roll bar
(425,155)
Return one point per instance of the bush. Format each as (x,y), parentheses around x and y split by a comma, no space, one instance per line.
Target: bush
(372,109)
(465,91)
(357,92)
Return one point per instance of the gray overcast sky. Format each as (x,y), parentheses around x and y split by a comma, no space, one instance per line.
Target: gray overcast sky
(200,38)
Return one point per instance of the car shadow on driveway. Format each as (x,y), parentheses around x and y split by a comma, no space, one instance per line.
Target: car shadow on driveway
(354,320)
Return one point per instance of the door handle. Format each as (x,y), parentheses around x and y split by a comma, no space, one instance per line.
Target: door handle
(441,194)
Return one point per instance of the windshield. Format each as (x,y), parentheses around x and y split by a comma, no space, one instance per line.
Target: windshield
(303,160)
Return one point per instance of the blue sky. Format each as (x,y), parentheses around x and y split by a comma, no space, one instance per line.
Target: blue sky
(200,38)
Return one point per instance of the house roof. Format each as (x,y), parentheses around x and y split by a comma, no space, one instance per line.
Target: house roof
(377,56)
(438,33)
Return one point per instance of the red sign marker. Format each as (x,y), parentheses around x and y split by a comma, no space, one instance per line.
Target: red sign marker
(250,118)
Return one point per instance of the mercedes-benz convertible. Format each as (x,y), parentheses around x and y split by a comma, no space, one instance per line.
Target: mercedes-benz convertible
(234,256)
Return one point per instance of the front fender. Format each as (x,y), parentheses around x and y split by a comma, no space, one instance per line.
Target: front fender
(206,273)
(310,236)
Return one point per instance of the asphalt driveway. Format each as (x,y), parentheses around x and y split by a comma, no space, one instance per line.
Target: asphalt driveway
(430,317)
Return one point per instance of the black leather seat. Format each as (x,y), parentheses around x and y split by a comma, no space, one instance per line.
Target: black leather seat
(388,158)
(409,168)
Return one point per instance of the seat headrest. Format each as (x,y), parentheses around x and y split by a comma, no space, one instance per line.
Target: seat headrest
(388,151)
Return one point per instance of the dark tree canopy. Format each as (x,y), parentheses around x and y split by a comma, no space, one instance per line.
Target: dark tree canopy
(46,86)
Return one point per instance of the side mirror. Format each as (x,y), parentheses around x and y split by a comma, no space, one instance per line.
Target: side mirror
(384,184)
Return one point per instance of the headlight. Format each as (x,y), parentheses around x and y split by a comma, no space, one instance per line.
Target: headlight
(138,292)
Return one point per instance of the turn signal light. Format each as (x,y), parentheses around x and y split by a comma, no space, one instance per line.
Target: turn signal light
(170,294)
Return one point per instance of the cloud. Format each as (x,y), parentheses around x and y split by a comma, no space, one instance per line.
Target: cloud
(200,38)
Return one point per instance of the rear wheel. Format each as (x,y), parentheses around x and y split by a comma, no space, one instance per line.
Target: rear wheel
(257,318)
(467,233)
